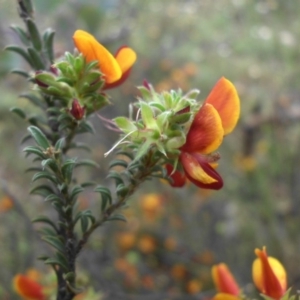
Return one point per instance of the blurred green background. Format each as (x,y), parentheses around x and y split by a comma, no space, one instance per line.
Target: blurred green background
(173,236)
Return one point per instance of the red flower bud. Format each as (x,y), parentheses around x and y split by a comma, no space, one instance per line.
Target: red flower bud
(77,111)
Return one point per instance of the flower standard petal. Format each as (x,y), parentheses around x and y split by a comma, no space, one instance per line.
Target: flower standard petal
(225,100)
(28,288)
(206,132)
(269,275)
(93,50)
(200,172)
(224,280)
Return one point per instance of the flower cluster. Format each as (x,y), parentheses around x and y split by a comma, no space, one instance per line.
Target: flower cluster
(185,134)
(80,81)
(115,69)
(269,276)
(216,118)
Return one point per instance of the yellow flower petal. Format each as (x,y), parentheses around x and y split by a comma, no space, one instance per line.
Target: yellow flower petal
(224,296)
(269,276)
(93,50)
(125,57)
(194,169)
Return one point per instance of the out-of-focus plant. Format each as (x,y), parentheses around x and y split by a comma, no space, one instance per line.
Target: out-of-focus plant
(166,133)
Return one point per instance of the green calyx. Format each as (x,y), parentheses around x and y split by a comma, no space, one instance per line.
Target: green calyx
(73,78)
(161,122)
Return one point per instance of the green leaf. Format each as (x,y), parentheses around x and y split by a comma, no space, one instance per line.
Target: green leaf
(75,191)
(20,72)
(116,176)
(85,127)
(125,124)
(39,137)
(44,175)
(157,105)
(62,259)
(34,34)
(125,153)
(88,184)
(118,163)
(49,162)
(35,57)
(67,169)
(122,190)
(53,197)
(162,120)
(65,117)
(28,7)
(54,261)
(147,116)
(84,221)
(21,52)
(43,257)
(42,190)
(60,144)
(35,150)
(19,112)
(48,38)
(69,276)
(47,231)
(21,34)
(143,149)
(105,196)
(55,242)
(87,162)
(117,217)
(44,219)
(33,169)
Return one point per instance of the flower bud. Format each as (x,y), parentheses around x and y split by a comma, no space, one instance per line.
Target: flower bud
(77,111)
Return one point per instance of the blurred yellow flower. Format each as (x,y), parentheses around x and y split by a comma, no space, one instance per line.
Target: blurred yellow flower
(269,275)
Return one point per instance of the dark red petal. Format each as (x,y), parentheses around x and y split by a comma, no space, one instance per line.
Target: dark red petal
(118,82)
(177,177)
(206,132)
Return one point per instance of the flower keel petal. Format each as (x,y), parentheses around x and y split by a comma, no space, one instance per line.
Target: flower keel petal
(177,177)
(269,275)
(199,171)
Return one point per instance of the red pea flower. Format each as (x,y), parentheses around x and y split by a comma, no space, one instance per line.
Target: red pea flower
(27,288)
(224,280)
(269,275)
(216,118)
(116,68)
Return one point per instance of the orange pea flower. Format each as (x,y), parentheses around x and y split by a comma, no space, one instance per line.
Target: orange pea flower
(28,288)
(269,275)
(216,118)
(224,280)
(115,68)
